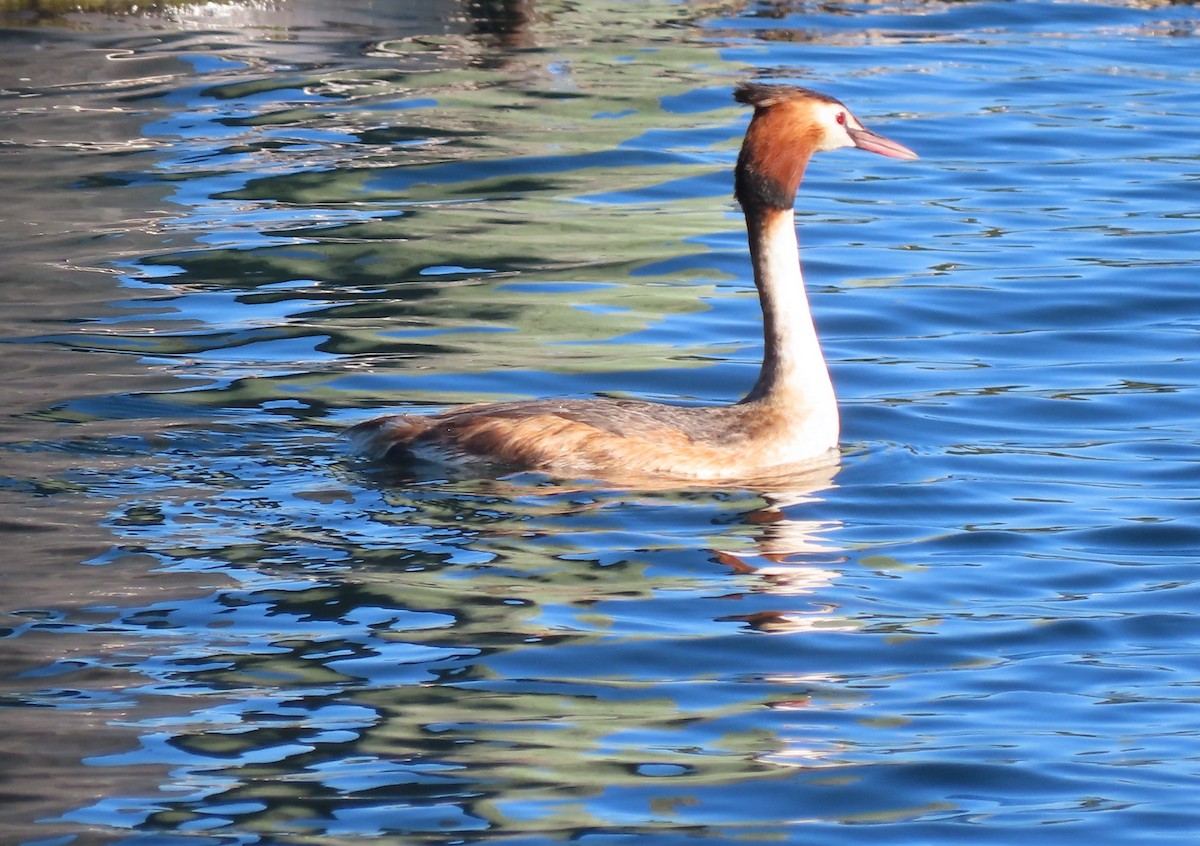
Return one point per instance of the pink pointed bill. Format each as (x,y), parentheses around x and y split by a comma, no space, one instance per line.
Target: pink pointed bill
(865,139)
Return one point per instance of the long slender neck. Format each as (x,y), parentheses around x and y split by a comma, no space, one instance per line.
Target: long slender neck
(794,377)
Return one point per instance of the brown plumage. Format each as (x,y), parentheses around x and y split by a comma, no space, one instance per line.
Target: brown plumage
(779,143)
(788,420)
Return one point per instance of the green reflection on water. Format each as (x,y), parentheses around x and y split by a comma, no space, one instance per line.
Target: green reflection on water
(508,186)
(454,696)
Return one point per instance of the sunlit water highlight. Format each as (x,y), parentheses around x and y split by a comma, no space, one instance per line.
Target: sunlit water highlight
(233,230)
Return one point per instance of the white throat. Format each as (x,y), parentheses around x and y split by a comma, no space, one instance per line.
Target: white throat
(794,379)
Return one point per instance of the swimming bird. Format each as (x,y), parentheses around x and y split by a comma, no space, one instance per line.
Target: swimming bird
(788,420)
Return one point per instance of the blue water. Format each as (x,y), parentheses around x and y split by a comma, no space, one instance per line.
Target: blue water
(233,230)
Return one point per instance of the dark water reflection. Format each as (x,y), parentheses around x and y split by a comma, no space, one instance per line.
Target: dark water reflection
(233,229)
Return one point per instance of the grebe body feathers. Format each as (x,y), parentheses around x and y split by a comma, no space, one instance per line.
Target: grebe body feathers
(789,419)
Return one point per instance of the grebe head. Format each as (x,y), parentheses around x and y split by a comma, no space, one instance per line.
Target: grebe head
(789,125)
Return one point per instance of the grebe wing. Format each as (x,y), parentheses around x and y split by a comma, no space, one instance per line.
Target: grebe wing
(514,430)
(625,418)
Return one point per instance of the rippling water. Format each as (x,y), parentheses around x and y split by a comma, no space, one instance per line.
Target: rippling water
(230,230)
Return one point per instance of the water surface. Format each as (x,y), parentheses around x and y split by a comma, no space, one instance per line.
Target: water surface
(233,230)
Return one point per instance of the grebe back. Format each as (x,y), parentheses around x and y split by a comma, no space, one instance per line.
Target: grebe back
(788,419)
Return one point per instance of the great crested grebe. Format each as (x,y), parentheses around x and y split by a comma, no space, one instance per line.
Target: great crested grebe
(788,420)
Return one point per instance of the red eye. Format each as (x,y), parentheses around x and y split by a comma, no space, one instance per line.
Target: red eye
(841,118)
